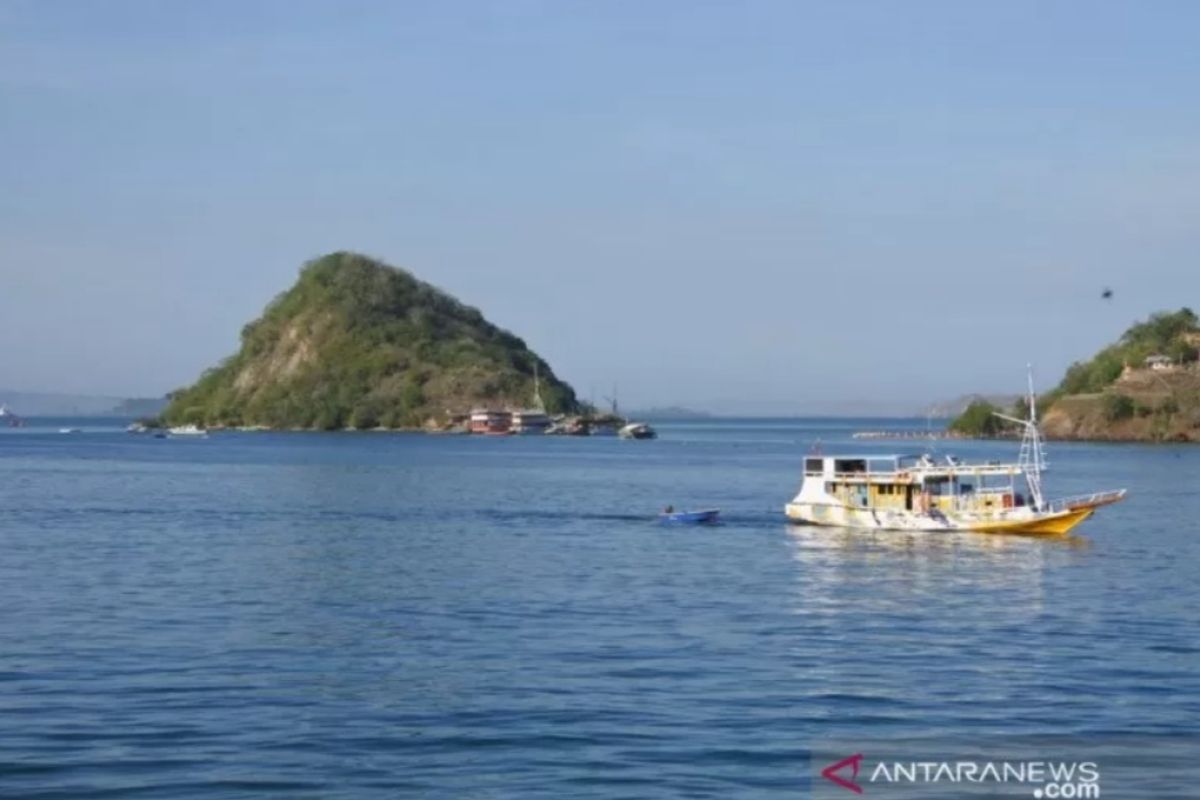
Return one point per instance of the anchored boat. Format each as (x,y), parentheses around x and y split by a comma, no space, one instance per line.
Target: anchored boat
(923,493)
(490,422)
(190,430)
(532,420)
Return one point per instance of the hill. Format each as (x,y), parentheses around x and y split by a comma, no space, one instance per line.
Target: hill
(979,419)
(949,409)
(356,343)
(1143,387)
(1140,406)
(1174,336)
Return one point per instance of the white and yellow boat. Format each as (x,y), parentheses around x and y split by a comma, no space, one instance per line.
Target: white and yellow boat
(924,493)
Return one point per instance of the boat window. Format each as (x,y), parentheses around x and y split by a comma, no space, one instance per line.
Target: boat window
(850,465)
(814,465)
(937,485)
(993,482)
(830,487)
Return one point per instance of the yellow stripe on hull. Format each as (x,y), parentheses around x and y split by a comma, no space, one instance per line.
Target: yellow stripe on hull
(1054,523)
(1050,525)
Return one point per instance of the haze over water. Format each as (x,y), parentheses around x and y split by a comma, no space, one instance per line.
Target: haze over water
(375,615)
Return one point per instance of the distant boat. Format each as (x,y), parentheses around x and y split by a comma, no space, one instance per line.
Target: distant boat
(490,422)
(8,418)
(638,430)
(187,430)
(689,517)
(568,426)
(529,422)
(69,430)
(602,427)
(533,420)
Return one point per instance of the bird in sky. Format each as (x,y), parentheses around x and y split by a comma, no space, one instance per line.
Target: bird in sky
(1107,293)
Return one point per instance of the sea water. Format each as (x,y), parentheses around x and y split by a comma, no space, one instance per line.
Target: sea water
(364,615)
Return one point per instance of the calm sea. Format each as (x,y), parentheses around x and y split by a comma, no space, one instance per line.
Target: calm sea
(376,615)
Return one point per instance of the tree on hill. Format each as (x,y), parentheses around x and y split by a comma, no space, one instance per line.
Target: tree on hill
(1182,352)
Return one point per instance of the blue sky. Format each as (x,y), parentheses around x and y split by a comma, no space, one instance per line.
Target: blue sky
(747,207)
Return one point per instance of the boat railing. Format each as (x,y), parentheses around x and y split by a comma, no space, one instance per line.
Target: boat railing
(915,473)
(1085,500)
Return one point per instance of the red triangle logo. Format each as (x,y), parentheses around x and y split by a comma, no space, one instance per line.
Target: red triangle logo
(830,773)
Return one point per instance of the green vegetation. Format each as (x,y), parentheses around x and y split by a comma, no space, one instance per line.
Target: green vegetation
(980,420)
(1118,406)
(356,343)
(1162,334)
(1098,399)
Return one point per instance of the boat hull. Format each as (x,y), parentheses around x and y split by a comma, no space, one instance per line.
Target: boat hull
(689,517)
(1053,524)
(1027,522)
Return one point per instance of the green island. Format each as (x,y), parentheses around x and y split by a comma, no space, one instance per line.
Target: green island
(358,344)
(1143,388)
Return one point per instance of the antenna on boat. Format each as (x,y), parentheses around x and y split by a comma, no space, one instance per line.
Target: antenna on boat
(537,390)
(613,401)
(1032,459)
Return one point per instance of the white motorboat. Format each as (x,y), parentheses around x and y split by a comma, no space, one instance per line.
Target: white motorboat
(638,430)
(189,430)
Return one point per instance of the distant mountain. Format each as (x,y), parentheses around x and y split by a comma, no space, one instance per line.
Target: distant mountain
(668,412)
(356,343)
(140,407)
(51,404)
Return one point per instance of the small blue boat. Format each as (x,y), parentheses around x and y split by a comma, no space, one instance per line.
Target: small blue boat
(689,517)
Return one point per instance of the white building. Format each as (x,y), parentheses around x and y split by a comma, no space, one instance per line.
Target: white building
(1159,362)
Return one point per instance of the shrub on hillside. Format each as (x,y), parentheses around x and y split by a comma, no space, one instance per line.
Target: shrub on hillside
(1118,406)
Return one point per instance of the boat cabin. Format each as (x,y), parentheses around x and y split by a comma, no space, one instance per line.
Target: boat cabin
(921,484)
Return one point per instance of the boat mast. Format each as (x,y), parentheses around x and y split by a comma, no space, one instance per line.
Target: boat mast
(1032,458)
(537,390)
